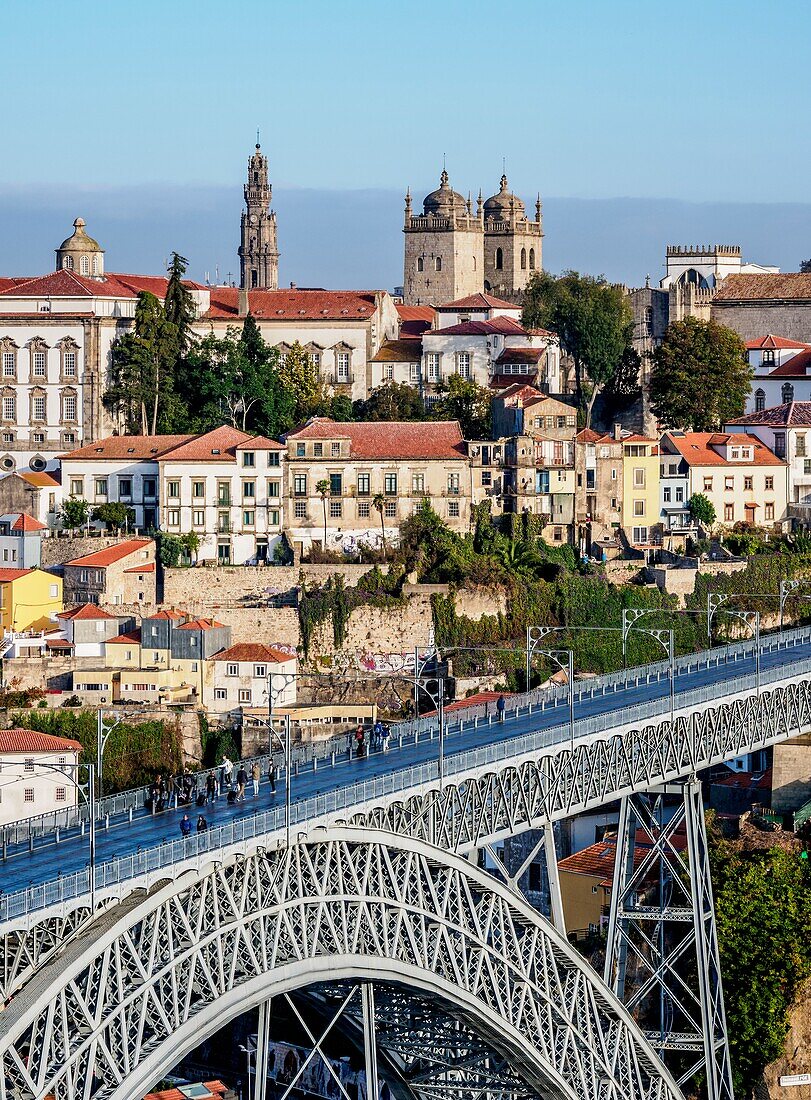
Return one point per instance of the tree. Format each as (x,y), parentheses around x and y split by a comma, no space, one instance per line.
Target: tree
(142,372)
(300,378)
(322,488)
(594,322)
(74,513)
(394,401)
(114,514)
(805,267)
(340,408)
(702,509)
(379,505)
(178,305)
(701,376)
(466,401)
(519,558)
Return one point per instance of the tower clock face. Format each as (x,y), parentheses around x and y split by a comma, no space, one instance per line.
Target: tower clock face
(254,219)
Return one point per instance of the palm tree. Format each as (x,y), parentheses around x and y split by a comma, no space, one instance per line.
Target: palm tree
(322,488)
(519,558)
(378,504)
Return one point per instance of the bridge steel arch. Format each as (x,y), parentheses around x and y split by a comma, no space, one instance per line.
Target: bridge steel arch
(145,982)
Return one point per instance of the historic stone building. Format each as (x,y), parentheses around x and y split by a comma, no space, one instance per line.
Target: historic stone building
(258,250)
(451,253)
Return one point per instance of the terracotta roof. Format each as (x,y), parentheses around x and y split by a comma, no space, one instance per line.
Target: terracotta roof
(476,302)
(545,332)
(252,651)
(699,449)
(499,381)
(41,479)
(795,414)
(149,567)
(287,305)
(134,447)
(216,1088)
(260,443)
(58,643)
(69,284)
(588,435)
(111,554)
(85,611)
(131,637)
(519,389)
(20,740)
(773,342)
(201,624)
(756,781)
(9,282)
(399,351)
(521,355)
(500,326)
(478,700)
(389,438)
(218,445)
(169,613)
(7,575)
(416,313)
(597,860)
(756,287)
(795,367)
(26,523)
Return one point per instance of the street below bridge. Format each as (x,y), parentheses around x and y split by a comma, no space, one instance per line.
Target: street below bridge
(123,836)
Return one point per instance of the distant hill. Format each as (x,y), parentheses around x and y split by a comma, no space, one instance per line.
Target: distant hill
(352,238)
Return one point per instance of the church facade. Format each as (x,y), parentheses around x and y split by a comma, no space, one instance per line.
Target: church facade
(258,249)
(451,252)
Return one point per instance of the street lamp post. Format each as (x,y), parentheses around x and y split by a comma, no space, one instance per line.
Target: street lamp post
(786,588)
(563,658)
(751,619)
(285,679)
(665,638)
(88,793)
(103,731)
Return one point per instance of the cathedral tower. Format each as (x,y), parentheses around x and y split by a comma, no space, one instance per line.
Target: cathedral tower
(512,243)
(444,255)
(258,252)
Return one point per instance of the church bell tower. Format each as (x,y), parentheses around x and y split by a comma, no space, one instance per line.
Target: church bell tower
(258,251)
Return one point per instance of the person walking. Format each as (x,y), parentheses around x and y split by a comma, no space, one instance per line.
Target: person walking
(185,826)
(272,776)
(501,706)
(255,776)
(242,782)
(202,824)
(377,735)
(384,737)
(211,787)
(227,771)
(359,740)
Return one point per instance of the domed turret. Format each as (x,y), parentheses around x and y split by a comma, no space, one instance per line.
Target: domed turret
(505,206)
(444,201)
(80,253)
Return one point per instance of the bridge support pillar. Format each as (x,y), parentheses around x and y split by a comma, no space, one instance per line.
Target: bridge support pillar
(662,931)
(262,1040)
(370,1040)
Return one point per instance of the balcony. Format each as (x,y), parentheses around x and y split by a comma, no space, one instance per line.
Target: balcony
(223,501)
(224,527)
(341,379)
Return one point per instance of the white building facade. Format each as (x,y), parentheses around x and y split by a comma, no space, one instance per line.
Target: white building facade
(38,774)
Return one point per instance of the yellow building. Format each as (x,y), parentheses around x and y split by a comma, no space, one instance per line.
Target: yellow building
(30,599)
(640,489)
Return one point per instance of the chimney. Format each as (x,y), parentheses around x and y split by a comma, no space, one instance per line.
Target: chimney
(243,302)
(618,432)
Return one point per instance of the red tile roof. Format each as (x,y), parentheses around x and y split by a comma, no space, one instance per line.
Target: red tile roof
(85,611)
(795,414)
(216,1088)
(478,700)
(7,575)
(287,305)
(499,381)
(772,342)
(20,740)
(69,284)
(253,651)
(500,326)
(597,860)
(699,449)
(169,613)
(399,351)
(260,443)
(588,435)
(149,567)
(200,624)
(519,389)
(42,480)
(795,367)
(416,313)
(26,523)
(521,355)
(134,447)
(131,637)
(390,439)
(102,558)
(476,302)
(758,781)
(9,282)
(218,445)
(762,287)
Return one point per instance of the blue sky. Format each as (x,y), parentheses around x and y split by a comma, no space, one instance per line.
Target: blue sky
(586,99)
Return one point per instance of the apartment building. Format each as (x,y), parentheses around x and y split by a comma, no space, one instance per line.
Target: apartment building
(744,480)
(30,599)
(599,488)
(124,573)
(539,479)
(243,675)
(640,490)
(353,484)
(38,774)
(786,431)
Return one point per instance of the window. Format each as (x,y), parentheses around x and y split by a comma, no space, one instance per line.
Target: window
(487,479)
(453,508)
(414,372)
(68,406)
(273,458)
(244,695)
(61,794)
(768,510)
(335,484)
(363,485)
(747,484)
(29,764)
(318,450)
(639,507)
(532,259)
(39,364)
(434,361)
(53,591)
(523,259)
(787,393)
(249,518)
(9,364)
(679,495)
(499,259)
(37,408)
(84,265)
(300,509)
(453,484)
(613,473)
(342,366)
(336,509)
(125,486)
(69,364)
(260,671)
(248,459)
(198,489)
(315,359)
(248,490)
(729,513)
(273,488)
(150,488)
(364,507)
(390,484)
(390,509)
(300,450)
(10,408)
(780,444)
(232,669)
(799,444)
(420,264)
(101,486)
(666,495)
(173,489)
(707,484)
(173,517)
(729,484)
(640,534)
(220,693)
(639,477)
(199,517)
(335,450)
(273,517)
(418,483)
(463,364)
(300,485)
(388,372)
(438,263)
(29,794)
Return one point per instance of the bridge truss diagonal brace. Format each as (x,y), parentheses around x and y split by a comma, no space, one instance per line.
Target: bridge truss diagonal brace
(662,949)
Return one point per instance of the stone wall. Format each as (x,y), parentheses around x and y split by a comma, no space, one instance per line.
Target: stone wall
(753,319)
(791,774)
(46,673)
(217,586)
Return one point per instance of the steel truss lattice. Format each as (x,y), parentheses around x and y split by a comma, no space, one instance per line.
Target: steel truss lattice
(127,1000)
(662,950)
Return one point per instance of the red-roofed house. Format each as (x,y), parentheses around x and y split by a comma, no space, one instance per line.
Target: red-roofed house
(402,462)
(123,573)
(88,628)
(744,480)
(242,675)
(32,782)
(21,540)
(782,372)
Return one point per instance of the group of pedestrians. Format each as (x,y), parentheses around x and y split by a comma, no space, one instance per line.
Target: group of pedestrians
(231,782)
(379,736)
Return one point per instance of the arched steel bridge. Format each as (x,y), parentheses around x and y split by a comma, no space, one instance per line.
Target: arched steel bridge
(373,888)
